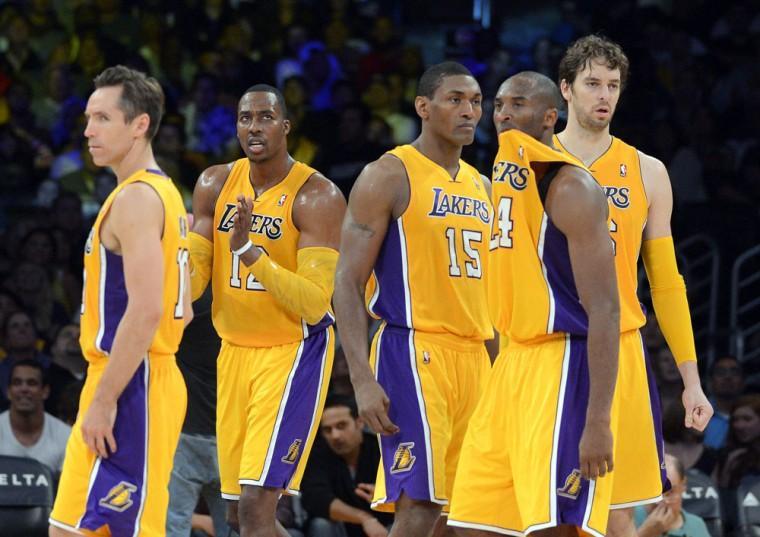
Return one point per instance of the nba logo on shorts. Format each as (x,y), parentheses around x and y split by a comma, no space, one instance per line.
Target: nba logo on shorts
(572,486)
(403,460)
(119,498)
(293,450)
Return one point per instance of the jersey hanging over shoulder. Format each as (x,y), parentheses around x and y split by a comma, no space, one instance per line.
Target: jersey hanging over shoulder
(105,294)
(430,272)
(243,311)
(531,285)
(618,170)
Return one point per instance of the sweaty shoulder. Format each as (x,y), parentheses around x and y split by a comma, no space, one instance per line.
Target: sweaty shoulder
(654,174)
(209,185)
(572,193)
(385,181)
(318,194)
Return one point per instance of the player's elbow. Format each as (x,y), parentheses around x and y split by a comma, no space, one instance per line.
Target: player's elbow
(605,310)
(316,309)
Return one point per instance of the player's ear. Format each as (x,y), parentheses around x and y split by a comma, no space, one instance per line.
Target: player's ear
(141,124)
(286,126)
(565,88)
(421,106)
(550,118)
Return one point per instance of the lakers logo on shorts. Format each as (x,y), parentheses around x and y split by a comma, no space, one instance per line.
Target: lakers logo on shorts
(403,460)
(119,498)
(293,451)
(572,485)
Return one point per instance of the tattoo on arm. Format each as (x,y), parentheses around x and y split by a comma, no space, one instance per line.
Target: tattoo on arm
(366,231)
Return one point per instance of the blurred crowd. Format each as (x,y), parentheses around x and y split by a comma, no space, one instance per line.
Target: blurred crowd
(348,70)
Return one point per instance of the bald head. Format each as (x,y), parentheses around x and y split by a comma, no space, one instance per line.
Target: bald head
(536,86)
(530,102)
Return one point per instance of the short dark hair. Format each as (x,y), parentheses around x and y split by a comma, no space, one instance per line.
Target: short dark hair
(543,87)
(266,88)
(34,364)
(337,399)
(680,468)
(432,78)
(140,94)
(590,48)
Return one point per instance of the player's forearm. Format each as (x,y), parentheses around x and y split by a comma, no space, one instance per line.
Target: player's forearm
(351,319)
(689,373)
(201,261)
(130,346)
(340,511)
(603,349)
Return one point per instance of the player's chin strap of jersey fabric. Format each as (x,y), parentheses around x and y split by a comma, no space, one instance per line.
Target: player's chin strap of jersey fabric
(201,257)
(669,297)
(306,292)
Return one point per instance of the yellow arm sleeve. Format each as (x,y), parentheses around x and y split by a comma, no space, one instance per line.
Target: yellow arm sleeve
(669,297)
(201,258)
(306,292)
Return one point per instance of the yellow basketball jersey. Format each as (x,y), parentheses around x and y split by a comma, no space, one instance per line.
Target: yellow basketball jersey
(430,272)
(243,311)
(619,172)
(531,286)
(105,295)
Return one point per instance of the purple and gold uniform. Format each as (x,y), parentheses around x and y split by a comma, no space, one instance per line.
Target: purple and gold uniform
(429,356)
(639,447)
(522,445)
(127,493)
(273,367)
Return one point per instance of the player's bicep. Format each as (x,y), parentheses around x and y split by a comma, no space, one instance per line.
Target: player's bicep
(318,213)
(136,220)
(660,197)
(205,194)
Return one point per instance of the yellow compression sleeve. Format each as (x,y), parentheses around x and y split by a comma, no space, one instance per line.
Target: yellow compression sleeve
(669,297)
(306,292)
(201,258)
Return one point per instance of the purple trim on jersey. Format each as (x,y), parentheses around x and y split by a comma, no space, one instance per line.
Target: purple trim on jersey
(124,469)
(300,413)
(569,315)
(396,376)
(327,320)
(114,298)
(573,418)
(156,171)
(389,271)
(654,403)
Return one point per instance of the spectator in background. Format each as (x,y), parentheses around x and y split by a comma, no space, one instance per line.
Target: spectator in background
(339,480)
(20,342)
(67,367)
(209,125)
(9,303)
(26,430)
(742,456)
(668,518)
(726,383)
(668,376)
(31,284)
(686,443)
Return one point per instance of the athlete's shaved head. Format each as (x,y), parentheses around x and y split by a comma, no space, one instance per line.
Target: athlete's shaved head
(432,78)
(539,87)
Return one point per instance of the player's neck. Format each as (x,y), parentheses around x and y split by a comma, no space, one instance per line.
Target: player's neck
(440,151)
(139,157)
(264,175)
(585,144)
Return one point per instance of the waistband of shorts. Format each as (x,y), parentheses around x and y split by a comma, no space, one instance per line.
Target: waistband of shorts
(443,339)
(541,340)
(100,362)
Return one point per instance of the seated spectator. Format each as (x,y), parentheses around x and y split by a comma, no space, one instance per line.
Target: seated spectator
(668,377)
(742,456)
(686,443)
(667,517)
(340,476)
(726,384)
(26,430)
(20,342)
(67,367)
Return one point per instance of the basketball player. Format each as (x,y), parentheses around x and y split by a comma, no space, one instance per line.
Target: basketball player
(135,306)
(592,75)
(419,220)
(540,441)
(266,233)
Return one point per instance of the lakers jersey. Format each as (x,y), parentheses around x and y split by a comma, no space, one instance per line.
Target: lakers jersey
(430,272)
(243,311)
(105,294)
(531,286)
(619,172)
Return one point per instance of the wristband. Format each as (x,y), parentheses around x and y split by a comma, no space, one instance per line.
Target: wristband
(243,249)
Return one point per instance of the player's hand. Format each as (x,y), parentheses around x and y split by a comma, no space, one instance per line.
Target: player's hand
(659,521)
(241,223)
(97,428)
(596,449)
(698,408)
(373,528)
(365,491)
(373,407)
